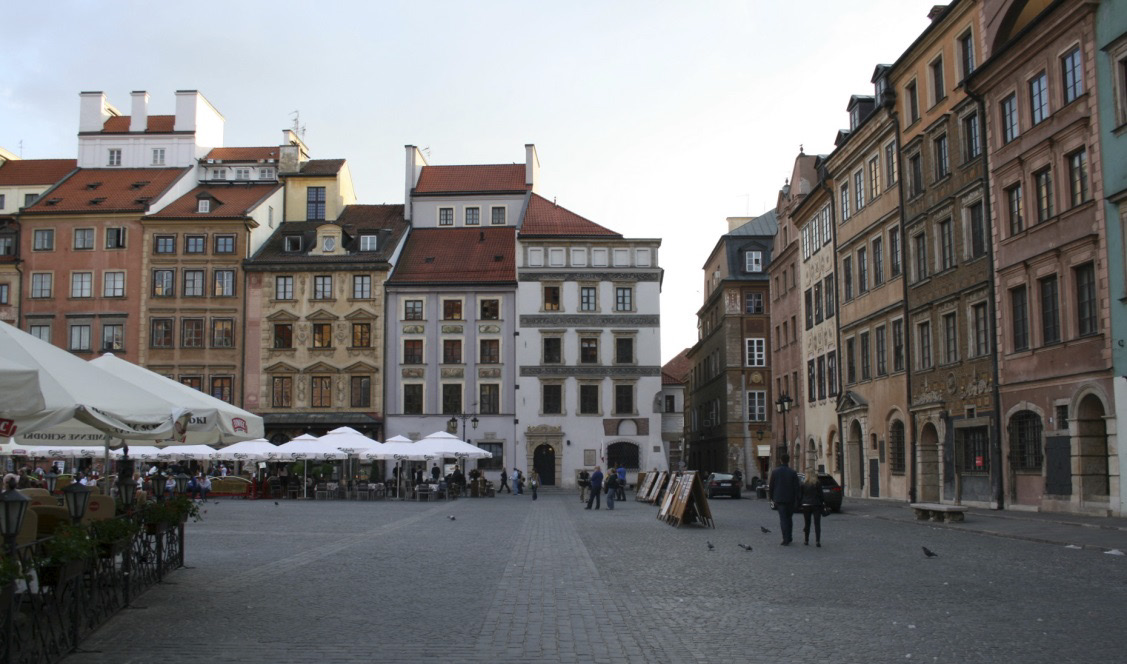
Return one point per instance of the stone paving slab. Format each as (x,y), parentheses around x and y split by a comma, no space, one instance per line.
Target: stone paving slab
(516,580)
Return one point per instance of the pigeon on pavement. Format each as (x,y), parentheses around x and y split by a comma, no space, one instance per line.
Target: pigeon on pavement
(764,530)
(928,552)
(451,517)
(744,547)
(710,546)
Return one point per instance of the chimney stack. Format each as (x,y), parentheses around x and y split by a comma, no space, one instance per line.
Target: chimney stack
(531,167)
(93,111)
(936,11)
(139,115)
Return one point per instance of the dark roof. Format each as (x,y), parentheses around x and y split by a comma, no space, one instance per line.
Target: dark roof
(457,256)
(320,168)
(25,172)
(156,124)
(490,178)
(546,218)
(765,224)
(243,154)
(235,200)
(384,220)
(107,190)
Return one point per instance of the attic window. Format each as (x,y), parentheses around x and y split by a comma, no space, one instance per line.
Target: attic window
(368,242)
(54,201)
(428,259)
(97,201)
(93,185)
(293,243)
(204,206)
(498,258)
(139,184)
(142,200)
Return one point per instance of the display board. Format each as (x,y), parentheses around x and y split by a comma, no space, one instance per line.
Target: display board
(645,481)
(667,502)
(686,502)
(655,492)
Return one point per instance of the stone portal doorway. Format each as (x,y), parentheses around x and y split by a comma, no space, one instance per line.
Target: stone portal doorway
(929,464)
(544,462)
(1092,450)
(854,460)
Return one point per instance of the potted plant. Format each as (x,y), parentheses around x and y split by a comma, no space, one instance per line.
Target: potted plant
(113,535)
(64,555)
(183,508)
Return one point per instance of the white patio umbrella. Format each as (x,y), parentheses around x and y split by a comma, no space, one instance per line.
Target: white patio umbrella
(19,388)
(142,452)
(248,450)
(190,452)
(399,449)
(213,420)
(443,444)
(306,447)
(350,441)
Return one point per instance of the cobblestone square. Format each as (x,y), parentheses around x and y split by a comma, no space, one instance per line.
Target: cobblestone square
(515,580)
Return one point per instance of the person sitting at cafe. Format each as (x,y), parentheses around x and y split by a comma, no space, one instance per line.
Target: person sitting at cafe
(459,478)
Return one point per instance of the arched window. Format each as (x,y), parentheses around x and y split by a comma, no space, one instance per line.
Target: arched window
(622,454)
(1025,440)
(896,453)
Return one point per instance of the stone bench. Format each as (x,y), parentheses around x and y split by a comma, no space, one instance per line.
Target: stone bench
(938,512)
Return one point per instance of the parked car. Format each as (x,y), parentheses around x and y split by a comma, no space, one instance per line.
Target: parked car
(831,490)
(722,484)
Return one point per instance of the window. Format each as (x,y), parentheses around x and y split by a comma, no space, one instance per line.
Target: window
(755,352)
(981,330)
(451,399)
(195,244)
(361,393)
(753,261)
(847,275)
(322,335)
(113,337)
(242,173)
(938,89)
(80,284)
(490,351)
(113,284)
(1009,118)
(224,283)
(283,288)
(412,351)
(897,345)
(361,286)
(281,392)
(489,399)
(862,270)
(266,174)
(624,350)
(194,382)
(942,162)
(831,372)
(115,238)
(113,158)
(551,399)
(858,190)
(757,406)
(923,331)
(913,102)
(5,296)
(589,350)
(753,303)
(498,215)
(28,200)
(41,283)
(1050,310)
(1025,440)
(553,350)
(588,300)
(809,299)
(624,399)
(950,339)
(1072,74)
(222,333)
(1039,98)
(41,332)
(473,216)
(293,243)
(283,335)
(1062,417)
(946,245)
(452,351)
(224,244)
(850,361)
(977,230)
(361,335)
(83,239)
(1078,177)
(43,239)
(878,261)
(921,256)
(894,251)
(1043,181)
(874,177)
(164,244)
(490,310)
(191,332)
(445,216)
(315,203)
(966,52)
(413,310)
(80,338)
(1086,300)
(971,452)
(412,399)
(972,143)
(845,201)
(866,358)
(323,287)
(829,290)
(915,175)
(624,298)
(160,333)
(588,399)
(219,174)
(881,342)
(822,377)
(369,242)
(1013,207)
(1020,315)
(890,165)
(7,244)
(451,310)
(896,455)
(322,392)
(551,298)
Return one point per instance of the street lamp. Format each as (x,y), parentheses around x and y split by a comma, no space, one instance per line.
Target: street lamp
(782,406)
(158,482)
(76,497)
(52,478)
(13,506)
(127,491)
(181,482)
(453,422)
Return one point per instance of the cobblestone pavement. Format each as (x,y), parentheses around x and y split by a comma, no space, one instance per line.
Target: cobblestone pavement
(512,580)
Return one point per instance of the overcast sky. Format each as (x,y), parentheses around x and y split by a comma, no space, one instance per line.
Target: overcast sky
(655,119)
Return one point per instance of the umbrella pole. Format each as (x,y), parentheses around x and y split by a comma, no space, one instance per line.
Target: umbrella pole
(305,481)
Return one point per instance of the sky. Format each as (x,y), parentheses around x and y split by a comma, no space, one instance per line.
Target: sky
(656,119)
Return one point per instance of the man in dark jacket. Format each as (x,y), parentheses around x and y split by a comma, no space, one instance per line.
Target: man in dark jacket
(596,488)
(783,490)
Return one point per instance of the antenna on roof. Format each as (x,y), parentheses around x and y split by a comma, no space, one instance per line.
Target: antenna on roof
(298,128)
(426,151)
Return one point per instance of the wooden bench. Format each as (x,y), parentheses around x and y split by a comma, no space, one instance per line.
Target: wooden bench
(938,512)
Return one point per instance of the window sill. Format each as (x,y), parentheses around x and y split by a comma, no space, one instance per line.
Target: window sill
(317,349)
(290,349)
(329,300)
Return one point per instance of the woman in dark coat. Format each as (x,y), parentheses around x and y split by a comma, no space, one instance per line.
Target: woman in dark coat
(812,504)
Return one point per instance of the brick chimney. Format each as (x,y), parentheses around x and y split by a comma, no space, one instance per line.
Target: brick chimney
(936,12)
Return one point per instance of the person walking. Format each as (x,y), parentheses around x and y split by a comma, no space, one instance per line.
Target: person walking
(596,487)
(611,488)
(534,482)
(516,482)
(620,485)
(584,483)
(504,481)
(812,504)
(783,490)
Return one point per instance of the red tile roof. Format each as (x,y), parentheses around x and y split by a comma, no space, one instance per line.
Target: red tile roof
(157,124)
(546,218)
(457,255)
(227,201)
(243,154)
(676,371)
(25,172)
(107,190)
(471,179)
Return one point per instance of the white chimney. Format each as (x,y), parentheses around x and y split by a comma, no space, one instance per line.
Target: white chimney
(414,168)
(531,167)
(187,107)
(93,111)
(139,116)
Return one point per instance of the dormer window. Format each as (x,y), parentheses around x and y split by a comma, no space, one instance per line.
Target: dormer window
(219,174)
(368,242)
(242,173)
(204,205)
(753,261)
(114,157)
(266,174)
(293,243)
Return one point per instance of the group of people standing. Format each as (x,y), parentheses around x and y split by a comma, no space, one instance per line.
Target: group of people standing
(517,478)
(592,485)
(788,494)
